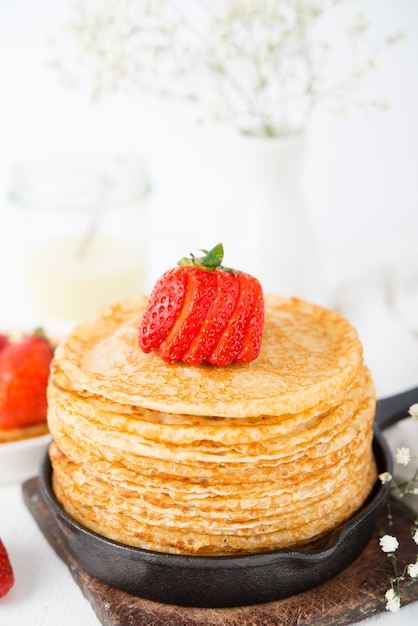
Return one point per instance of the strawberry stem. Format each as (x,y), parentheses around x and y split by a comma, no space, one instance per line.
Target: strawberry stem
(211,261)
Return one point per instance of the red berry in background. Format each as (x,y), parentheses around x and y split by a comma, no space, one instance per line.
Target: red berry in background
(202,312)
(6,572)
(24,373)
(4,340)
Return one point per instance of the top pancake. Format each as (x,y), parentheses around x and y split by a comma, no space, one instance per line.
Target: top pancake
(309,355)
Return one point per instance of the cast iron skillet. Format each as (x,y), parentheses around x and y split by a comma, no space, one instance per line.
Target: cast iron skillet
(232,580)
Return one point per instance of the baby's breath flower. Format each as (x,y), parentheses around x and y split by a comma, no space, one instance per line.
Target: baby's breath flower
(412,569)
(382,105)
(413,411)
(385,477)
(398,36)
(403,456)
(393,601)
(359,25)
(247,56)
(388,543)
(338,111)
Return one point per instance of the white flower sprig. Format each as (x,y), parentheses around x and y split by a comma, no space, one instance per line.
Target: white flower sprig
(259,66)
(388,543)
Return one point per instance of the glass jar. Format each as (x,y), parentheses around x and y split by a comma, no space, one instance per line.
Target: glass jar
(82,226)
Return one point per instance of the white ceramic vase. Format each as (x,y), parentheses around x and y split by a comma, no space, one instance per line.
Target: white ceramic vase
(265,226)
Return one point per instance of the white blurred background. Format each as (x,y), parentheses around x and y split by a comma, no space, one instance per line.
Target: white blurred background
(360,181)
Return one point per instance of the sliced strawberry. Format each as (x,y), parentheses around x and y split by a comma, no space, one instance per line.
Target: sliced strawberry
(163,308)
(6,571)
(220,311)
(200,295)
(201,312)
(231,343)
(24,373)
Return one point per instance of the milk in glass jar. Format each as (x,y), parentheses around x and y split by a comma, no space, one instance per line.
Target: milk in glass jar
(82,221)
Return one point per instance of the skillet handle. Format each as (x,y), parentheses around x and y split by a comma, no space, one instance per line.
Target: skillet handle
(395,408)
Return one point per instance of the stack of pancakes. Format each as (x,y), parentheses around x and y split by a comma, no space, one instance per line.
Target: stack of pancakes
(207,460)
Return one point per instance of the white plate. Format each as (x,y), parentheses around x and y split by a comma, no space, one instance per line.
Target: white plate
(20,460)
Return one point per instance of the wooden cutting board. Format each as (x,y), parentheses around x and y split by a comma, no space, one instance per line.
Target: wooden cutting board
(355,594)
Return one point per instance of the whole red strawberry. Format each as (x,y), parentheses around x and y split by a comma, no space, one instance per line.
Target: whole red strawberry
(201,312)
(24,373)
(6,572)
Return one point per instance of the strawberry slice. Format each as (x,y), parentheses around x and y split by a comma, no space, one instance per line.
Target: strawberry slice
(201,293)
(201,312)
(163,308)
(231,343)
(251,343)
(6,571)
(216,320)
